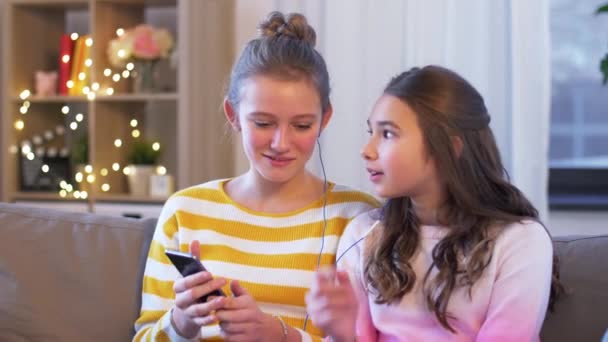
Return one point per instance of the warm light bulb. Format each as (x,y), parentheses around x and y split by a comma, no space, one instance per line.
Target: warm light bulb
(95,86)
(89,42)
(82,76)
(116,77)
(84,194)
(135,133)
(63,184)
(74,36)
(126,170)
(88,62)
(69,188)
(110,91)
(88,169)
(91,96)
(65,109)
(79,117)
(133,123)
(86,90)
(91,178)
(26,149)
(107,72)
(25,94)
(70,84)
(63,193)
(76,194)
(115,166)
(105,187)
(45,168)
(161,170)
(121,53)
(23,110)
(78,177)
(19,125)
(120,31)
(73,125)
(30,156)
(117,142)
(156,146)
(125,74)
(130,66)
(104,172)
(65,58)
(26,104)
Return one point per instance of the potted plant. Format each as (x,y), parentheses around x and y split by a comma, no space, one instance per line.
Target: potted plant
(142,159)
(604,62)
(80,158)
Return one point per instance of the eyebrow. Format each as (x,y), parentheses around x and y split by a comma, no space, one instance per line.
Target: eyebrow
(384,123)
(297,117)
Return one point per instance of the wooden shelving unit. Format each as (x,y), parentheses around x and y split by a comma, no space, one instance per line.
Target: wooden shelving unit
(182,117)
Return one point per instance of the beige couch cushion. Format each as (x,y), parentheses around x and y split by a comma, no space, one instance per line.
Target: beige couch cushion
(69,276)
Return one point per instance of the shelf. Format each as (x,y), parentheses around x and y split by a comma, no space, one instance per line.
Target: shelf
(101,98)
(138,97)
(63,4)
(52,99)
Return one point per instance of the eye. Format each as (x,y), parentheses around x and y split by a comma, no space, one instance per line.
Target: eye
(369,131)
(262,124)
(387,134)
(303,126)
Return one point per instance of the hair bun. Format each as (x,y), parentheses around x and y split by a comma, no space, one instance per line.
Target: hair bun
(293,25)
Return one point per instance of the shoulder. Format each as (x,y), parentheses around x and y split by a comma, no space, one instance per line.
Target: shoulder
(524,239)
(355,235)
(191,196)
(360,227)
(346,194)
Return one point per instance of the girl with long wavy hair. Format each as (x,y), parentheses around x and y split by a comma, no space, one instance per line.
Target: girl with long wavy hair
(457,253)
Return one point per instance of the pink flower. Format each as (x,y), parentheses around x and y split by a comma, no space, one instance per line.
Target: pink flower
(145,46)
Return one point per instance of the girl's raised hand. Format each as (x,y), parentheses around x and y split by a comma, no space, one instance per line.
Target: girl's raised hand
(332,304)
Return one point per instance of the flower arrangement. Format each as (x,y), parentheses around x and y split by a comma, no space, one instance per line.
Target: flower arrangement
(142,43)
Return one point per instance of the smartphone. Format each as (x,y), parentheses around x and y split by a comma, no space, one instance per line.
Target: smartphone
(187,265)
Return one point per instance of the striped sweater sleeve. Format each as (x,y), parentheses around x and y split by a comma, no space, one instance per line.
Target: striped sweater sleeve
(154,322)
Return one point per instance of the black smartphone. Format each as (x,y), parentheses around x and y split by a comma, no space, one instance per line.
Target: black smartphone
(187,265)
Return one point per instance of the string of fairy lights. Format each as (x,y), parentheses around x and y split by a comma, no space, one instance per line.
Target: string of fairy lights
(88,177)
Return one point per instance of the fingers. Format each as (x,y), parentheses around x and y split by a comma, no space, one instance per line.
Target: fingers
(187,291)
(235,328)
(237,289)
(195,248)
(204,312)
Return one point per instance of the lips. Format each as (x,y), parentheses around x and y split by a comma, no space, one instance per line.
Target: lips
(373,172)
(279,161)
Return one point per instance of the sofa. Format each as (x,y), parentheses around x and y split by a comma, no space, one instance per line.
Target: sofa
(77,277)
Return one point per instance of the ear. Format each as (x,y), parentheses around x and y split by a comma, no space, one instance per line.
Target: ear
(231,115)
(326,117)
(457,145)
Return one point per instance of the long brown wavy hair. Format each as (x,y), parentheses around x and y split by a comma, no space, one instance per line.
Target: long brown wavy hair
(479,197)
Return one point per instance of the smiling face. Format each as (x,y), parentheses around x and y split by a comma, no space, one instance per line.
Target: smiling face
(279,121)
(395,155)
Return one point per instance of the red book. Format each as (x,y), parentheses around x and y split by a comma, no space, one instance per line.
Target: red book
(66,49)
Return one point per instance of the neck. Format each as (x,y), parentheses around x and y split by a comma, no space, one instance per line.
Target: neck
(257,193)
(427,209)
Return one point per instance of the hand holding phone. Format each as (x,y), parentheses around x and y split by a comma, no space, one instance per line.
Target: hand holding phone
(187,264)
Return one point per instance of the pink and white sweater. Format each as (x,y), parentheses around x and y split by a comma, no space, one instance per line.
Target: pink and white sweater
(508,302)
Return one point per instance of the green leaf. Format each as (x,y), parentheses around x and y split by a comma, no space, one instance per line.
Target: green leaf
(604,69)
(602,9)
(142,153)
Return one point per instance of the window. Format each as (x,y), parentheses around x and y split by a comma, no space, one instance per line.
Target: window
(578,156)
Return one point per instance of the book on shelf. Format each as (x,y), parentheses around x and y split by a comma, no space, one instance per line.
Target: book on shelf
(66,49)
(81,54)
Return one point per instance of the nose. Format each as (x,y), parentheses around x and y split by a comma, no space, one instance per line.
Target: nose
(368,152)
(279,141)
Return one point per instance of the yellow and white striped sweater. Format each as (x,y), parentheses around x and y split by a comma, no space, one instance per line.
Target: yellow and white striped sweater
(274,256)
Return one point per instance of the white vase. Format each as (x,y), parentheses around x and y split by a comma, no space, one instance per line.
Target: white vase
(139,179)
